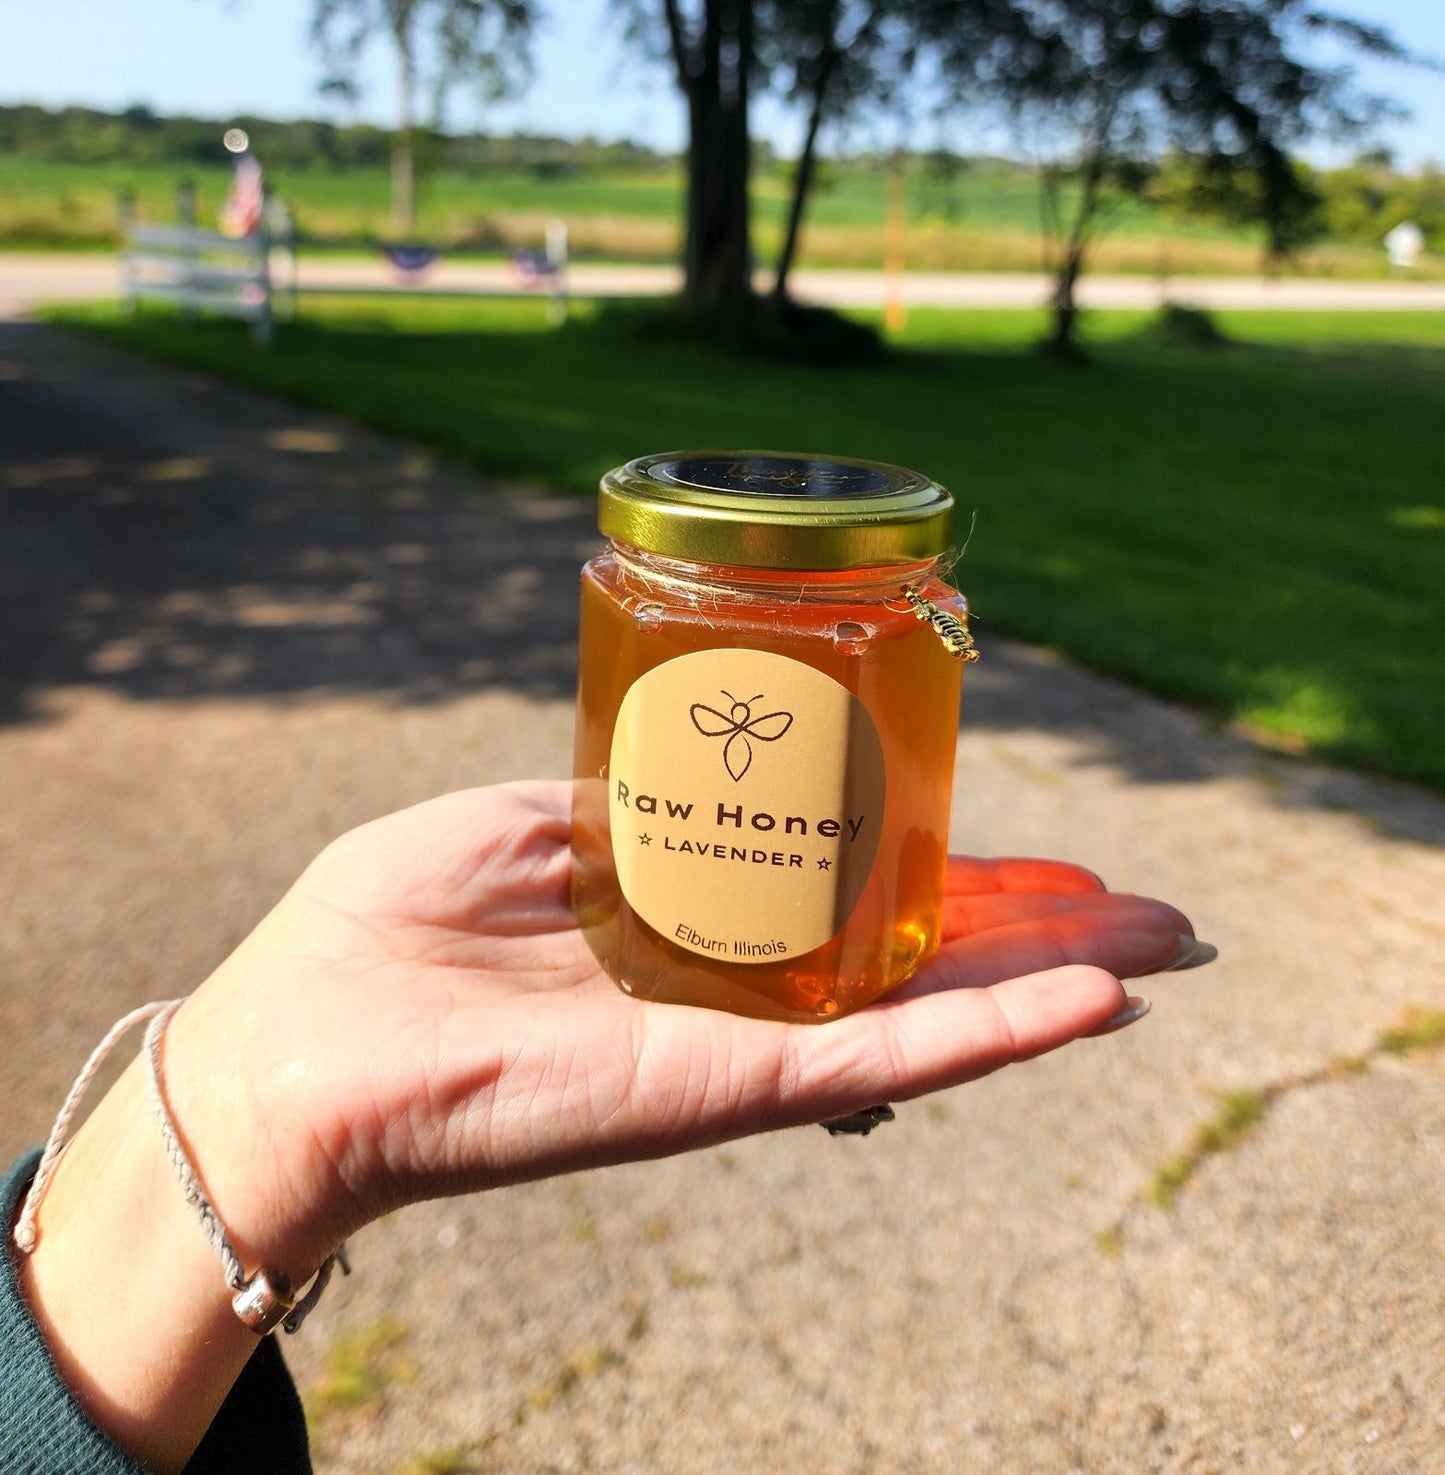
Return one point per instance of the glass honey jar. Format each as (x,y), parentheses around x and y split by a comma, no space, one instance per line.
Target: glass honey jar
(769,681)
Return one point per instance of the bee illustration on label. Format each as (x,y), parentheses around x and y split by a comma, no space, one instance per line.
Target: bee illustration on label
(951,630)
(739,726)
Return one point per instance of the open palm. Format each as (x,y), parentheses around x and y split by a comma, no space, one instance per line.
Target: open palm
(447,1028)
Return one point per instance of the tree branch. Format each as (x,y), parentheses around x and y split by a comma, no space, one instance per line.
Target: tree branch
(802,180)
(677,43)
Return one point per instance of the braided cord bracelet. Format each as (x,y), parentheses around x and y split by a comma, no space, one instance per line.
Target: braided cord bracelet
(263,1300)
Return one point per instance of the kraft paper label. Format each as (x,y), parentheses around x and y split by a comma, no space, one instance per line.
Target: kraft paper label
(746,800)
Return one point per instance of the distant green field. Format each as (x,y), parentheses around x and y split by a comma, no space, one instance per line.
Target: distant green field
(1257,529)
(988,219)
(993,198)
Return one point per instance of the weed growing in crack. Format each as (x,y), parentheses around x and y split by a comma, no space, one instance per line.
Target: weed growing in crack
(1239,1113)
(1419,1029)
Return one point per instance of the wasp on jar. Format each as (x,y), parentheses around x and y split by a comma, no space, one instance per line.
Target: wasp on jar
(951,630)
(738,726)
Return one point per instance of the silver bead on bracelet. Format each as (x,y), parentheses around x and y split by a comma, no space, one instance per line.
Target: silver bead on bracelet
(262,1301)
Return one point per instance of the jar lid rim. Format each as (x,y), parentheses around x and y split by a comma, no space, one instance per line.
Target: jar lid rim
(775,509)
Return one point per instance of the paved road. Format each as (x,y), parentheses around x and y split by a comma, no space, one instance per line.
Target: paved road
(28,279)
(229,629)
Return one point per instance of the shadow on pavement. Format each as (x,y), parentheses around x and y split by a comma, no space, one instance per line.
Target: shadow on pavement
(166,546)
(169,538)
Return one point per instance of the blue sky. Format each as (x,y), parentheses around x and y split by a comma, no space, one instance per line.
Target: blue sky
(219,57)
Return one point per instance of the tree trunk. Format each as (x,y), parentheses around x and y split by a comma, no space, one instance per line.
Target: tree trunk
(1065,309)
(403,161)
(803,176)
(1063,339)
(717,256)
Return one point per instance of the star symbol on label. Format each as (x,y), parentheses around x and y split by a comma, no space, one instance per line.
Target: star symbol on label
(645,839)
(825,865)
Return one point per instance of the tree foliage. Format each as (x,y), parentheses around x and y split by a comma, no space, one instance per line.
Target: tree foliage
(1106,87)
(438,45)
(1365,200)
(137,136)
(1109,87)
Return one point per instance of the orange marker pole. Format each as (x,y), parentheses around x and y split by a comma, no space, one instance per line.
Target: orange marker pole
(894,313)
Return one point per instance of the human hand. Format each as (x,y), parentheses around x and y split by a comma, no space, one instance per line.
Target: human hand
(420,1016)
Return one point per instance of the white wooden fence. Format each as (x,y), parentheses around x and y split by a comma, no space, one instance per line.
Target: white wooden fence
(201,271)
(204,271)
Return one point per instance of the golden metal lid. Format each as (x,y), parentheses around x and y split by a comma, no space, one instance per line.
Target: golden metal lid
(775,509)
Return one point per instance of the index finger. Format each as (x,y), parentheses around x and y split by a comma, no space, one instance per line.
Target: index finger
(968,875)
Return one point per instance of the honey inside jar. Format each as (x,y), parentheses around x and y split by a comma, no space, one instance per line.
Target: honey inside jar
(764,755)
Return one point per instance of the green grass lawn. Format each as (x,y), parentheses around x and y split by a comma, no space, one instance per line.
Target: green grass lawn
(1255,529)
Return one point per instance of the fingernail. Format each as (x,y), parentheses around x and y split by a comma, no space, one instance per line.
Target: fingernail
(1137,1007)
(1192,954)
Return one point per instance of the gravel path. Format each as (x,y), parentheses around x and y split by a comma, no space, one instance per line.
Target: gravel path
(229,630)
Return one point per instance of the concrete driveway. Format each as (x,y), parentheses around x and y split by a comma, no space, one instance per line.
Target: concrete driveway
(229,630)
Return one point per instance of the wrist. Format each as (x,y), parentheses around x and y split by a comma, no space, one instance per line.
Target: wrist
(132,1293)
(233,1102)
(125,1290)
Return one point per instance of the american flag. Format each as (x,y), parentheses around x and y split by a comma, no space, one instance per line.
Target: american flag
(242,212)
(411,262)
(533,269)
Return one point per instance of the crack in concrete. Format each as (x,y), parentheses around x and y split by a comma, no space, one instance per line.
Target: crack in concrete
(1241,1112)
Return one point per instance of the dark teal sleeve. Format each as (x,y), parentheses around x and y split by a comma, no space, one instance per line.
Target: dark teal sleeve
(44,1431)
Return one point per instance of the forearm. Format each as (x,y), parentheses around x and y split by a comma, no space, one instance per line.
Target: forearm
(129,1296)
